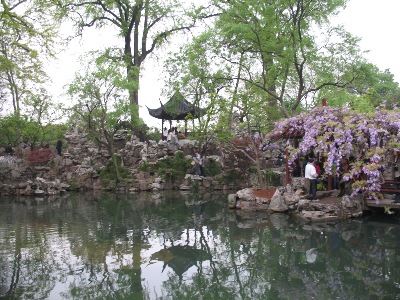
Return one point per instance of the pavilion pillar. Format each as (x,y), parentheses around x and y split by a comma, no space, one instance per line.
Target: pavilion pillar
(185,128)
(287,177)
(162,129)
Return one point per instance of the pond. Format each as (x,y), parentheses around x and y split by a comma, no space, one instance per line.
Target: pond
(186,246)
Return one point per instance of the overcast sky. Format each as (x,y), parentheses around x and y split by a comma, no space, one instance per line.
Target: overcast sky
(375,22)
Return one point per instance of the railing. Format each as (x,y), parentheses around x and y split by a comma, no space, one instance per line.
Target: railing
(390,187)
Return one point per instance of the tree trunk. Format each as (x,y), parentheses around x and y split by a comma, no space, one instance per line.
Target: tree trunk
(260,174)
(110,147)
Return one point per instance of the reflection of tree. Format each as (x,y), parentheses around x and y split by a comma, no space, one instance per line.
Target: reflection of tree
(181,258)
(31,257)
(100,248)
(111,246)
(269,262)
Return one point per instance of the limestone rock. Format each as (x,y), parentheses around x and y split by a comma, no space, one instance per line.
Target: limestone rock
(246,195)
(232,200)
(278,202)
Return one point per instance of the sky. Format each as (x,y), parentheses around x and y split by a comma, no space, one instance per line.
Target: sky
(375,22)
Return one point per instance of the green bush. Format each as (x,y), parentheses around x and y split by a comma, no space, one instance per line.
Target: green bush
(153,134)
(108,174)
(146,167)
(14,129)
(272,178)
(172,167)
(232,176)
(212,168)
(253,170)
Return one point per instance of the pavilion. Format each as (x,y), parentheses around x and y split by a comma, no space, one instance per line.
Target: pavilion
(177,108)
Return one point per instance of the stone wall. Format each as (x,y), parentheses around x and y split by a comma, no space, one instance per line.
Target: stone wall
(78,168)
(293,198)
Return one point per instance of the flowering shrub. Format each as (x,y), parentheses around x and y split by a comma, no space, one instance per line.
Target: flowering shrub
(338,133)
(41,155)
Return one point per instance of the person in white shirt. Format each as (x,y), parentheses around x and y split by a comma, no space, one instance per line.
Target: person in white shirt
(165,134)
(312,175)
(170,134)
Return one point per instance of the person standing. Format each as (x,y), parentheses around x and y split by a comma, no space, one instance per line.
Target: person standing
(169,135)
(195,165)
(317,168)
(312,175)
(198,167)
(203,167)
(181,136)
(59,146)
(165,134)
(9,149)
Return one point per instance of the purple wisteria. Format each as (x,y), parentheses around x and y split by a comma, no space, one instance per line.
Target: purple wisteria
(336,133)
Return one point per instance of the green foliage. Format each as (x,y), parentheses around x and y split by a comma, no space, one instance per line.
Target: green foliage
(52,132)
(109,176)
(272,178)
(102,102)
(231,176)
(264,61)
(153,21)
(252,170)
(146,167)
(279,49)
(371,88)
(321,186)
(14,129)
(73,185)
(172,167)
(212,167)
(153,134)
(28,36)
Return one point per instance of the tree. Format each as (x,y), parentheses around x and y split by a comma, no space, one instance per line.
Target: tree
(191,70)
(286,48)
(27,35)
(194,71)
(101,104)
(370,89)
(143,25)
(15,128)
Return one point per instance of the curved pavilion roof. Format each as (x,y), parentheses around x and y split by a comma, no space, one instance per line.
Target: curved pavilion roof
(177,108)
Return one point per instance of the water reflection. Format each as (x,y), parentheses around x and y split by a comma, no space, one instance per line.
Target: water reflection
(181,258)
(184,246)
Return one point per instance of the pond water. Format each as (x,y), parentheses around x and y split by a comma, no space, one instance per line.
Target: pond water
(186,246)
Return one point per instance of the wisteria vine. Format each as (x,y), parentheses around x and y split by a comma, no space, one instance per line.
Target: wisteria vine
(337,133)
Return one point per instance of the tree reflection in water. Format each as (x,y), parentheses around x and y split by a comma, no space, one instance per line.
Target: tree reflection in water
(185,246)
(180,258)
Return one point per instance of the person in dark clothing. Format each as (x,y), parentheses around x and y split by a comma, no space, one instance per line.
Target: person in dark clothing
(202,168)
(59,146)
(296,168)
(9,149)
